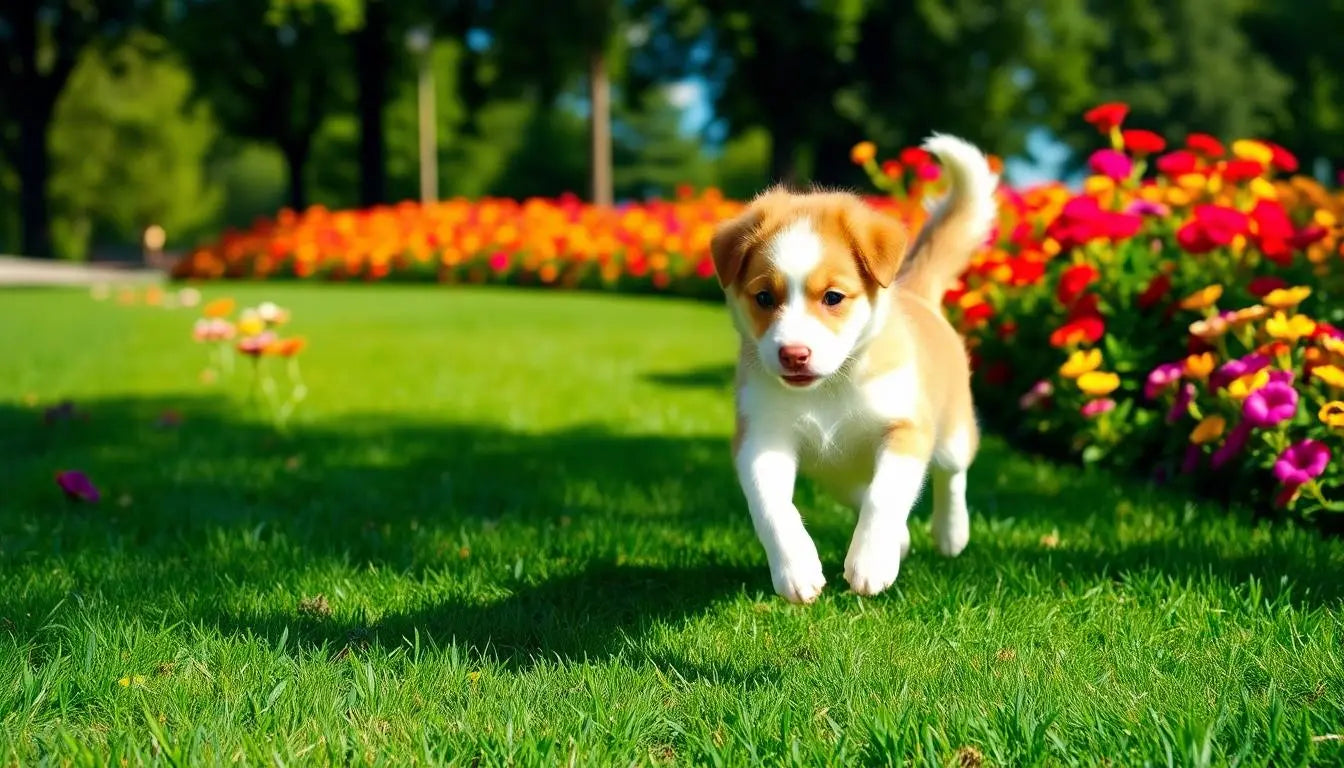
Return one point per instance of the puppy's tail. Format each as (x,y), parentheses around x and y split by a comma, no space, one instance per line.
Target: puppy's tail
(958,223)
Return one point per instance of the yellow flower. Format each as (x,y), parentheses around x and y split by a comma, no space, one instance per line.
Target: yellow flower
(251,324)
(1081,362)
(1192,182)
(1208,430)
(1332,414)
(1241,387)
(1333,345)
(1199,366)
(1177,198)
(863,153)
(1098,383)
(1203,298)
(1287,298)
(1323,218)
(970,299)
(129,680)
(1263,189)
(1332,375)
(1096,185)
(1280,326)
(1251,314)
(1247,149)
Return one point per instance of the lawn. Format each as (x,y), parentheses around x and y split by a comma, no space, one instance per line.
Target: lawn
(520,515)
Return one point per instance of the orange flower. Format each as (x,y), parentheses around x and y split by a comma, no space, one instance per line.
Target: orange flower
(1286,298)
(1199,366)
(218,308)
(288,347)
(1203,298)
(1208,430)
(863,153)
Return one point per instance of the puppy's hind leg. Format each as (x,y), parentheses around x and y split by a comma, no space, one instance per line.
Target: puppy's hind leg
(952,457)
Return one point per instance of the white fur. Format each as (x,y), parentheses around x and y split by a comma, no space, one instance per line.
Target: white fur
(828,429)
(973,182)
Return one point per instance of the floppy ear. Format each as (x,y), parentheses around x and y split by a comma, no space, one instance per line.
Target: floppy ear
(729,245)
(878,240)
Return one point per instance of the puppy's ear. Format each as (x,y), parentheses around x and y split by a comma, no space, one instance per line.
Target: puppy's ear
(730,243)
(878,241)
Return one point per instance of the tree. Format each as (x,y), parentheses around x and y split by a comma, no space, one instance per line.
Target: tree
(40,41)
(271,74)
(127,108)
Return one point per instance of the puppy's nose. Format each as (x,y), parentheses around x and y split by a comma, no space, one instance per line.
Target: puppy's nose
(794,357)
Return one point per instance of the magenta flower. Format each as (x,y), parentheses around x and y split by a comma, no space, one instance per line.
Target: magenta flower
(1270,405)
(1181,405)
(77,486)
(1280,376)
(1147,208)
(1108,162)
(255,345)
(1093,408)
(1160,378)
(1192,456)
(1232,445)
(1235,369)
(1302,462)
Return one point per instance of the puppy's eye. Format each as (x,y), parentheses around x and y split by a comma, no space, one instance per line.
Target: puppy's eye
(831,298)
(765,299)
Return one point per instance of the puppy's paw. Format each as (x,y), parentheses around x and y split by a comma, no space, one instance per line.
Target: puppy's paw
(797,576)
(952,532)
(872,565)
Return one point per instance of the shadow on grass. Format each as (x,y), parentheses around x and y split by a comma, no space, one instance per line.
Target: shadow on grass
(623,521)
(709,377)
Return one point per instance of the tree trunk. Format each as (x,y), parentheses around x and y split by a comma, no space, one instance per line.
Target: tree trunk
(371,65)
(599,128)
(296,161)
(34,167)
(783,156)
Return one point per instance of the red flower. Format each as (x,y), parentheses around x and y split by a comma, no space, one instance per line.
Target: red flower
(1157,289)
(705,268)
(929,171)
(1178,163)
(1025,271)
(978,313)
(499,261)
(1283,159)
(1261,286)
(1142,142)
(1212,227)
(892,169)
(1082,330)
(915,157)
(1205,145)
(1086,306)
(1083,220)
(1106,117)
(77,486)
(1007,330)
(1308,235)
(1273,231)
(1241,170)
(1074,281)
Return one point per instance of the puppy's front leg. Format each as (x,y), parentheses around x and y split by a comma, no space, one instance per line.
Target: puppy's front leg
(882,536)
(767,467)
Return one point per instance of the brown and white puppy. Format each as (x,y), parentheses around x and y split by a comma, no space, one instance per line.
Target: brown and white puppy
(848,370)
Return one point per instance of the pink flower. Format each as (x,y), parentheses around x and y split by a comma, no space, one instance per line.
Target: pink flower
(255,345)
(1039,393)
(1147,208)
(499,261)
(1270,405)
(1094,408)
(1302,462)
(77,486)
(928,172)
(1160,378)
(1108,162)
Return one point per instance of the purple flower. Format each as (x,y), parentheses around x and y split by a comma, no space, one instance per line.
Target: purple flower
(1232,445)
(1097,407)
(1192,456)
(1160,377)
(77,486)
(1109,162)
(1147,208)
(1270,405)
(1301,462)
(1235,369)
(1280,376)
(1181,405)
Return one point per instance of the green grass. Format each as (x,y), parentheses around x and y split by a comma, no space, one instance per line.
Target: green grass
(520,510)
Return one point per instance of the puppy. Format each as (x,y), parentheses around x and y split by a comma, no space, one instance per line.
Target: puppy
(848,371)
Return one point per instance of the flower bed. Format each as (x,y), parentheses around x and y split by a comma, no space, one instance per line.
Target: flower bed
(1178,316)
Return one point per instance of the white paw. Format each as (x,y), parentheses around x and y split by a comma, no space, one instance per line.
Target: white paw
(798,578)
(952,531)
(873,564)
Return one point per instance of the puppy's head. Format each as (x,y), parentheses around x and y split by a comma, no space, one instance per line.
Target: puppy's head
(803,274)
